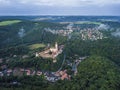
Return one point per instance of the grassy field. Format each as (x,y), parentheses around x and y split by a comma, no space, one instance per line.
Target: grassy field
(5,23)
(82,22)
(87,22)
(36,46)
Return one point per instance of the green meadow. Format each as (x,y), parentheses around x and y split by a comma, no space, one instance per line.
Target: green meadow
(9,22)
(36,46)
(87,22)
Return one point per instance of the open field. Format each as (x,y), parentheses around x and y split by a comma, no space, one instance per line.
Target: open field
(87,22)
(36,46)
(9,22)
(82,22)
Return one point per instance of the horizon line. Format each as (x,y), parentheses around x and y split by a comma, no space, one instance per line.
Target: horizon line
(56,15)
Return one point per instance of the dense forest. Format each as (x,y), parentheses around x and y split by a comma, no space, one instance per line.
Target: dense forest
(109,48)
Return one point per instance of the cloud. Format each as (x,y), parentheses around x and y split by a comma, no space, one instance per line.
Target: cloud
(86,7)
(61,3)
(4,2)
(41,2)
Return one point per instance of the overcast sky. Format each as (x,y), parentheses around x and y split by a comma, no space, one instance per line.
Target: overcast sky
(60,7)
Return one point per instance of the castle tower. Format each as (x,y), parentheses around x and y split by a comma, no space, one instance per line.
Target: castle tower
(37,54)
(56,46)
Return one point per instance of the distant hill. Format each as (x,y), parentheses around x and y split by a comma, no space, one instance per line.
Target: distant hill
(62,18)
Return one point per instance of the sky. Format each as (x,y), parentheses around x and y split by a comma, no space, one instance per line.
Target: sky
(60,7)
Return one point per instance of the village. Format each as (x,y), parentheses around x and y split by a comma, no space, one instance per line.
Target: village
(91,34)
(60,32)
(50,76)
(85,34)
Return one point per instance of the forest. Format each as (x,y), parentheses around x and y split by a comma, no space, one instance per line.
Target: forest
(22,38)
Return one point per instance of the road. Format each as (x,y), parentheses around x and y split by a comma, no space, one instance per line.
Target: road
(62,63)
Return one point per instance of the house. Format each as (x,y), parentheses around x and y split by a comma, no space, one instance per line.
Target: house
(28,72)
(9,72)
(39,73)
(1,74)
(3,66)
(64,76)
(22,70)
(25,56)
(14,56)
(52,78)
(57,74)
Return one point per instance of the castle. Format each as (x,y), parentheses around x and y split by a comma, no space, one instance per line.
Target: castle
(51,52)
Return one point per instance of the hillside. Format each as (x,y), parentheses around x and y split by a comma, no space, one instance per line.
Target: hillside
(98,73)
(14,35)
(31,31)
(95,73)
